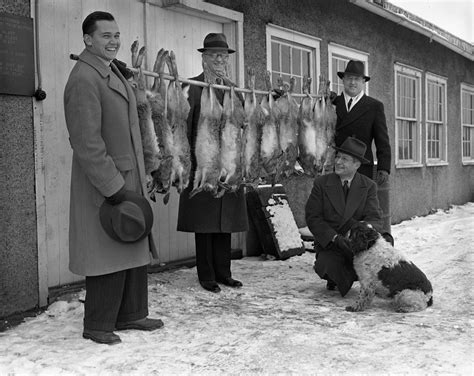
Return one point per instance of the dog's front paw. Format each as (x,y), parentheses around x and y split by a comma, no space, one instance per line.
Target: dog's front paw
(353,308)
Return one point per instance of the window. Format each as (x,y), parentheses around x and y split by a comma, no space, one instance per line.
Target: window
(436,124)
(338,57)
(407,116)
(467,119)
(292,54)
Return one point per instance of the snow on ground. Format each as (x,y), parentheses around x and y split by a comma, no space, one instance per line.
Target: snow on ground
(283,321)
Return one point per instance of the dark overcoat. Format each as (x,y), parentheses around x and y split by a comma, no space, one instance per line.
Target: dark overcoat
(365,121)
(203,213)
(102,120)
(328,214)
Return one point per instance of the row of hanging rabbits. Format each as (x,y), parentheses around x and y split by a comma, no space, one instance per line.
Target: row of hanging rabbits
(238,142)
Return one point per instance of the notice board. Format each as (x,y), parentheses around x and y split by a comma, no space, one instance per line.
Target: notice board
(17,70)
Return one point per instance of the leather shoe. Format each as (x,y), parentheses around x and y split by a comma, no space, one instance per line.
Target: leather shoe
(331,286)
(101,336)
(230,282)
(211,286)
(142,324)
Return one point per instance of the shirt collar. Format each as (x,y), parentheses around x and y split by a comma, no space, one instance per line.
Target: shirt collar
(349,181)
(106,62)
(354,99)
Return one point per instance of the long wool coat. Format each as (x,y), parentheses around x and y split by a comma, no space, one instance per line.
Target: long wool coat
(365,121)
(204,213)
(102,120)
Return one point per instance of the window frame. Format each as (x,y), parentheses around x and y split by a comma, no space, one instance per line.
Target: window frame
(296,38)
(469,89)
(417,74)
(443,160)
(338,50)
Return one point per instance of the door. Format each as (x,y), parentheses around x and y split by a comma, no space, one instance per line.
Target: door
(60,35)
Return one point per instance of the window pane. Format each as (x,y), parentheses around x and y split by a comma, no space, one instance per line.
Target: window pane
(306,64)
(285,59)
(275,56)
(296,55)
(275,77)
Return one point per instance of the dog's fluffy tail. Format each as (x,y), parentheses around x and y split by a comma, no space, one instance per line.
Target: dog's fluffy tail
(412,300)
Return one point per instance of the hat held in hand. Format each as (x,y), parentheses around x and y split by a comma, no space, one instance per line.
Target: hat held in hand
(129,221)
(354,68)
(215,41)
(353,147)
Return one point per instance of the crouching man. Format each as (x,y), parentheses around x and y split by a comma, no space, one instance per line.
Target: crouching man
(337,201)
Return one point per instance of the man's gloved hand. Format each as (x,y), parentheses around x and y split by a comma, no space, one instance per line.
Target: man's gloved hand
(343,246)
(117,198)
(332,96)
(382,177)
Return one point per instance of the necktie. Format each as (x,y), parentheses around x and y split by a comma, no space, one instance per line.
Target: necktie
(345,189)
(349,105)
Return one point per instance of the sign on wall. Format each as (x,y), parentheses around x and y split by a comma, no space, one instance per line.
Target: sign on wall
(17,71)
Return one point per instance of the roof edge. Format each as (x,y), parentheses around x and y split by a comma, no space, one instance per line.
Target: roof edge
(409,20)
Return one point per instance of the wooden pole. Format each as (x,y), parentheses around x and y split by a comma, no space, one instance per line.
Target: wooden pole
(199,83)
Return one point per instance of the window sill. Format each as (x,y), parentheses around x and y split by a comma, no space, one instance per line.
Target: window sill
(468,163)
(436,164)
(411,165)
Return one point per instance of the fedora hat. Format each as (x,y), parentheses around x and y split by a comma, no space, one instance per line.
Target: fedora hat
(356,68)
(129,221)
(354,147)
(215,41)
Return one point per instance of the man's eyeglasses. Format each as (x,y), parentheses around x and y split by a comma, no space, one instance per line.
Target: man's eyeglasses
(214,56)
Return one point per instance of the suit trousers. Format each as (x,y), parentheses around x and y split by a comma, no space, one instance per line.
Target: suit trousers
(116,297)
(213,256)
(332,266)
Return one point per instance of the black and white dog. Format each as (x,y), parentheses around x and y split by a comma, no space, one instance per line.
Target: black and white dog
(383,269)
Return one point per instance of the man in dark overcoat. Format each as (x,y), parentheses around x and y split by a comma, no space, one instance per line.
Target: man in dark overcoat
(211,219)
(363,117)
(337,201)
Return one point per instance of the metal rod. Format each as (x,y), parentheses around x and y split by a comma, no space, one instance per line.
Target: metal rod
(199,83)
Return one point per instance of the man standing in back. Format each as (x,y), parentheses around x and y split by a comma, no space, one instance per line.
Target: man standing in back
(363,117)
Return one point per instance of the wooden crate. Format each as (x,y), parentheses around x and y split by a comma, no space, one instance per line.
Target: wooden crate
(258,209)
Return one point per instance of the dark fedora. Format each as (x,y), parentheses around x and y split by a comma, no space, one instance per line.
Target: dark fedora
(215,41)
(356,68)
(353,147)
(129,221)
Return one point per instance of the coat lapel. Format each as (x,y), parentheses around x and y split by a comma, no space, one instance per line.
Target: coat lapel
(360,108)
(114,79)
(335,193)
(117,83)
(134,125)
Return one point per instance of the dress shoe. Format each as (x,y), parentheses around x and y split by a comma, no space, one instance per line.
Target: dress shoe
(210,286)
(331,286)
(142,324)
(228,281)
(101,336)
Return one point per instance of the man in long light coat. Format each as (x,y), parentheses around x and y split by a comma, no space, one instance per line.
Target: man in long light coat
(102,121)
